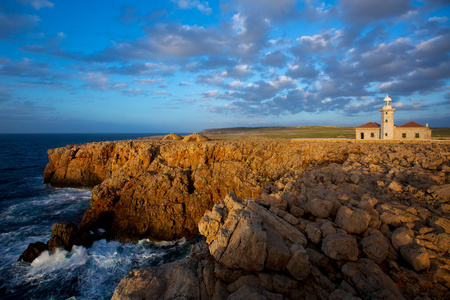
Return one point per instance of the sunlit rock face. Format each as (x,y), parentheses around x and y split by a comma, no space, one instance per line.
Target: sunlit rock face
(160,190)
(281,219)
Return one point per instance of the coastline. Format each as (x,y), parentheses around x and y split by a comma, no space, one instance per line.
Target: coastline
(256,165)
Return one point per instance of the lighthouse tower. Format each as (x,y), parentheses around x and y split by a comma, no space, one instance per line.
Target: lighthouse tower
(387,119)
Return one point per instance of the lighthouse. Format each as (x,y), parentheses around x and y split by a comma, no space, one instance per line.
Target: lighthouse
(387,120)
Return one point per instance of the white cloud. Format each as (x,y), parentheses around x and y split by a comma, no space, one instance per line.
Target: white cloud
(202,6)
(236,83)
(239,23)
(37,4)
(147,81)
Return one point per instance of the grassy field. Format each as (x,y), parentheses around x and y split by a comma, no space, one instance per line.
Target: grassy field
(440,132)
(305,132)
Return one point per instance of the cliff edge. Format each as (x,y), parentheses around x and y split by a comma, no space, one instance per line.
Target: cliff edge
(373,227)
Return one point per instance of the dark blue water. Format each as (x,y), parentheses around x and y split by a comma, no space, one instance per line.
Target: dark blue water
(28,209)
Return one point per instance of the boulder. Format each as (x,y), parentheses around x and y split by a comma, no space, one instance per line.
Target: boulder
(313,232)
(417,256)
(401,237)
(320,208)
(440,192)
(277,251)
(65,235)
(370,281)
(178,280)
(352,220)
(340,246)
(395,187)
(33,251)
(172,137)
(375,247)
(195,137)
(298,265)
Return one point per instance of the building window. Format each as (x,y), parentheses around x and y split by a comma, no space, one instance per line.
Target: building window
(404,135)
(372,134)
(386,120)
(385,134)
(386,112)
(362,135)
(417,135)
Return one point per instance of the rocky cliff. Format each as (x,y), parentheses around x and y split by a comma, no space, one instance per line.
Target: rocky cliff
(160,190)
(321,219)
(373,225)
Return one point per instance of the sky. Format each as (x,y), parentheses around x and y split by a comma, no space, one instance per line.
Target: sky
(187,65)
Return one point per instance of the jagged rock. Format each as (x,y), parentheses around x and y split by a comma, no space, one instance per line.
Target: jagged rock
(314,233)
(176,280)
(278,253)
(195,137)
(161,190)
(320,208)
(375,247)
(416,255)
(317,258)
(370,281)
(394,186)
(33,251)
(247,247)
(396,215)
(443,223)
(298,265)
(340,246)
(440,192)
(66,235)
(442,274)
(352,221)
(247,236)
(401,237)
(273,200)
(339,294)
(172,137)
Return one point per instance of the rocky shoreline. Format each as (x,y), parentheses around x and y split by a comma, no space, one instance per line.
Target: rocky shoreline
(316,219)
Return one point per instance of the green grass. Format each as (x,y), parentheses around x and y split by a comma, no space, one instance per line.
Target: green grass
(302,132)
(440,132)
(306,132)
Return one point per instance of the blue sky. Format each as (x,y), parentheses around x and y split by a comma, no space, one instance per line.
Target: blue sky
(187,65)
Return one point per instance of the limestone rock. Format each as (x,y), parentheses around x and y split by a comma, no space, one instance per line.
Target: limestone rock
(247,246)
(340,246)
(352,221)
(317,258)
(298,265)
(443,223)
(401,237)
(65,235)
(375,247)
(416,255)
(440,192)
(370,281)
(176,280)
(33,251)
(320,208)
(313,232)
(394,186)
(172,137)
(195,137)
(277,251)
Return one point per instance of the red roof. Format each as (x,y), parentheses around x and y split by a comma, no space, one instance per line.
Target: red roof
(411,124)
(369,125)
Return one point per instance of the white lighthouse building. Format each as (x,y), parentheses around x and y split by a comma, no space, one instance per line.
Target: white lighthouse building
(387,119)
(387,129)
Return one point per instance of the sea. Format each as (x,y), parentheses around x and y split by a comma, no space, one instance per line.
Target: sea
(29,208)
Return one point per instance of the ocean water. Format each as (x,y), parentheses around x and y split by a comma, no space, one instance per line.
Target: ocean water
(28,209)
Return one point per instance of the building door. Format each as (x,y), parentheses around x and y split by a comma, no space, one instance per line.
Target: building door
(362,135)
